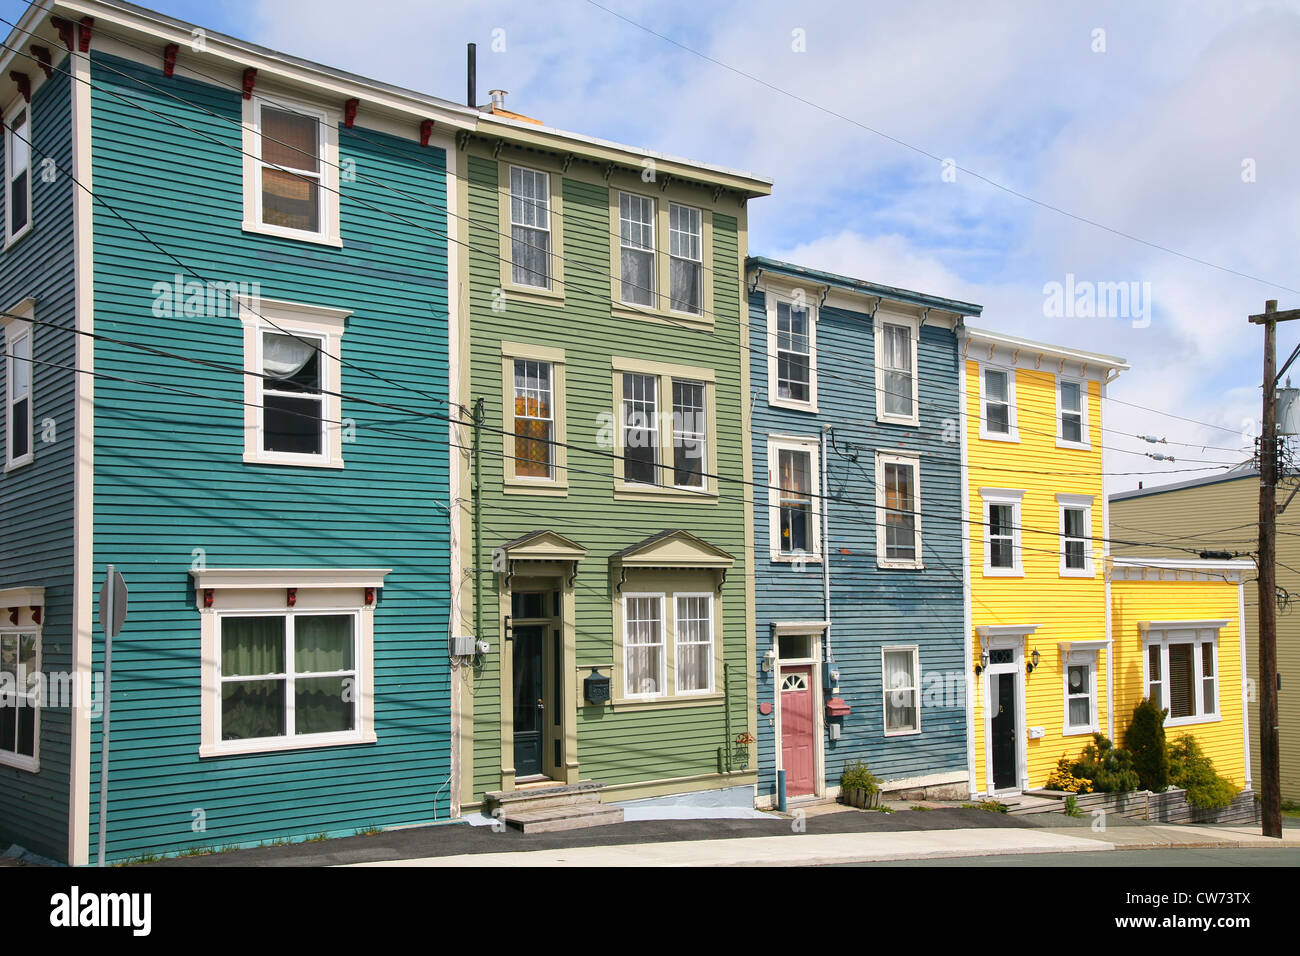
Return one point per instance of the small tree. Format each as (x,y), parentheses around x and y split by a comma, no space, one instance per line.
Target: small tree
(1145,740)
(1192,770)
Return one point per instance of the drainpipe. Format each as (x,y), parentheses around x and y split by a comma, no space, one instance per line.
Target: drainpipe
(826,548)
(1105,570)
(478,519)
(964,529)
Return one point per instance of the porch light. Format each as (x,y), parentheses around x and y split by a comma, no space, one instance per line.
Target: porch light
(1033,662)
(768,659)
(983,662)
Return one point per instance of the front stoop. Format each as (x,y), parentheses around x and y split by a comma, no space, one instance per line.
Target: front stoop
(548,809)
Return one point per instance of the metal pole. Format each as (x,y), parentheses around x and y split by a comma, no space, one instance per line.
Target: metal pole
(108,618)
(478,519)
(1270,780)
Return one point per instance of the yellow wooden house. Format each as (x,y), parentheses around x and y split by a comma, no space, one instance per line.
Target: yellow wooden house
(1063,641)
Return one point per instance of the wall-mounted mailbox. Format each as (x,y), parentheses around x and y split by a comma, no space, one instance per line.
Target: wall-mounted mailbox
(595,687)
(1036,732)
(836,707)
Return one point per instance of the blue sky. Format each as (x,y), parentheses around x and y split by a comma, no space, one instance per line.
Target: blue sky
(1145,131)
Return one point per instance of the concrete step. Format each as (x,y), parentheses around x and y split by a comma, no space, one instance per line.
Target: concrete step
(1025,804)
(513,802)
(551,819)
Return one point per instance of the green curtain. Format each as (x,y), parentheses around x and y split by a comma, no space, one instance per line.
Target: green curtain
(252,709)
(251,646)
(322,643)
(324,705)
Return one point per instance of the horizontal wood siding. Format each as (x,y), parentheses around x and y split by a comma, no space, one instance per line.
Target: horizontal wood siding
(36,499)
(170,476)
(871,607)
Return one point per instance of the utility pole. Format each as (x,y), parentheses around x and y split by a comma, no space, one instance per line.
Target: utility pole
(1270,775)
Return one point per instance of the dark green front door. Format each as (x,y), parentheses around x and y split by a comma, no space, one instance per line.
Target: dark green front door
(528,700)
(1003,731)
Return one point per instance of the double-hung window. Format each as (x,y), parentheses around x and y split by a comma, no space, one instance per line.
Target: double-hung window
(636,219)
(1072,413)
(664,425)
(1182,671)
(693,645)
(896,384)
(641,429)
(293,400)
(291,178)
(794,512)
(898,521)
(901,683)
(20,666)
(690,430)
(534,421)
(1076,534)
(530,227)
(644,653)
(794,360)
(1002,532)
(18,388)
(1081,692)
(18,173)
(998,404)
(686,259)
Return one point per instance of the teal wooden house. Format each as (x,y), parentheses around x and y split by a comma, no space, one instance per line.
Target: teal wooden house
(225,306)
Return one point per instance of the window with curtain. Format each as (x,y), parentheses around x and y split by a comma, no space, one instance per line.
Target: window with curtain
(636,225)
(795,480)
(897,366)
(1182,681)
(1002,536)
(686,259)
(1182,674)
(19,388)
(1074,533)
(900,511)
(530,227)
(293,400)
(693,648)
(997,402)
(643,646)
(1079,702)
(793,353)
(534,424)
(1071,412)
(640,428)
(20,676)
(290,169)
(287,675)
(902,713)
(689,429)
(18,173)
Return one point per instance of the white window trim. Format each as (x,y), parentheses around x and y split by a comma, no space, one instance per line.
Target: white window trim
(550,236)
(18,761)
(897,458)
(1014,498)
(712,655)
(18,106)
(1160,637)
(17,325)
(775,445)
(669,257)
(1074,658)
(292,317)
(773,298)
(1013,419)
(662,681)
(330,233)
(253,591)
(915,651)
(914,326)
(1084,503)
(1084,401)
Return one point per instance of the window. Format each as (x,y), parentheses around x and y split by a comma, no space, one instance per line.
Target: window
(1002,532)
(998,404)
(693,651)
(279,677)
(794,360)
(901,666)
(686,253)
(1073,413)
(18,174)
(636,220)
(665,424)
(293,414)
(898,522)
(534,424)
(291,176)
(643,645)
(20,681)
(896,386)
(1182,672)
(1081,692)
(530,227)
(1076,535)
(18,388)
(793,499)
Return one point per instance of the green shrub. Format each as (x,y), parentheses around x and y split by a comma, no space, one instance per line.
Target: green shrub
(1072,806)
(1145,740)
(1063,778)
(1108,767)
(1193,771)
(856,776)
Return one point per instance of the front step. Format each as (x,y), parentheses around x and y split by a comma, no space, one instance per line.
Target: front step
(546,809)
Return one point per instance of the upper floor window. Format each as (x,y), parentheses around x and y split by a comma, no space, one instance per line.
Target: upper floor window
(291,176)
(530,227)
(686,250)
(896,384)
(665,428)
(690,431)
(534,419)
(1072,411)
(898,522)
(636,220)
(658,264)
(1002,532)
(1076,534)
(794,514)
(791,352)
(533,423)
(18,173)
(998,404)
(18,388)
(641,429)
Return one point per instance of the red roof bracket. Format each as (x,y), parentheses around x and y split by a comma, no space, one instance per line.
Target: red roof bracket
(24,86)
(13,616)
(350,112)
(83,34)
(250,77)
(426,132)
(42,54)
(169,59)
(36,615)
(65,30)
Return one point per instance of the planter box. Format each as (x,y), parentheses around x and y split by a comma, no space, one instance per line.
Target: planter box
(862,799)
(1172,807)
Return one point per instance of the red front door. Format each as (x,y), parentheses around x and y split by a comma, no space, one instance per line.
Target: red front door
(797,730)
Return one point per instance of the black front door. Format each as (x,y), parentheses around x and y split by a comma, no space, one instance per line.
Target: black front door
(1003,730)
(528,700)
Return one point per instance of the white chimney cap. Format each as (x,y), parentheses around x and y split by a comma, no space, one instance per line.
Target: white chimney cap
(498,99)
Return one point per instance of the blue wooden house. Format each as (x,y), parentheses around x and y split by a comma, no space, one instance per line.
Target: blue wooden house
(226,373)
(858,534)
